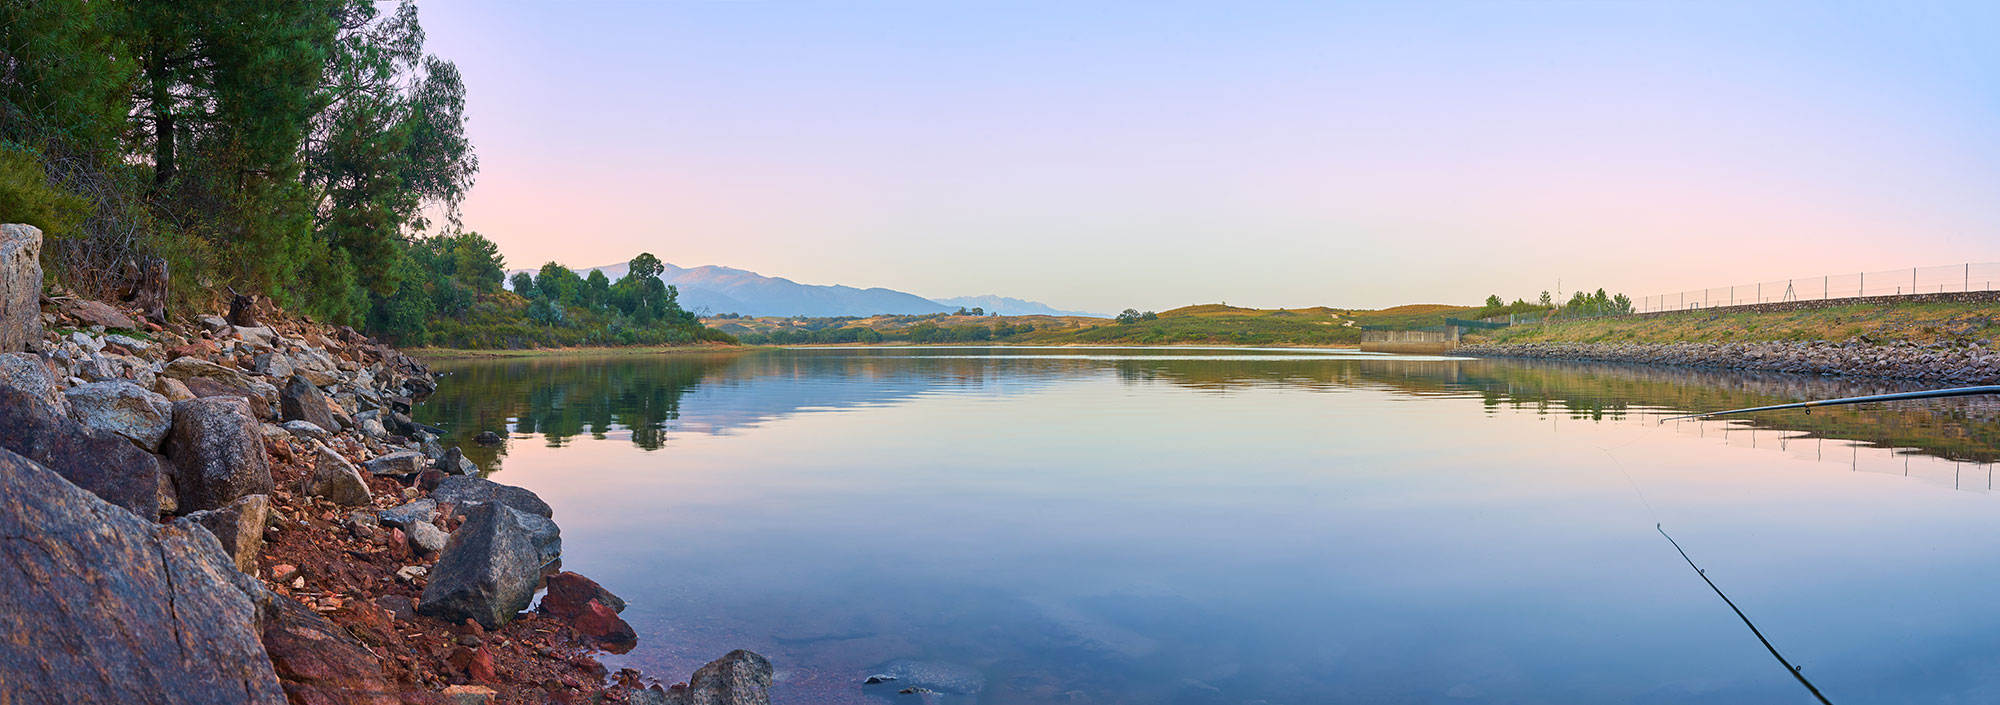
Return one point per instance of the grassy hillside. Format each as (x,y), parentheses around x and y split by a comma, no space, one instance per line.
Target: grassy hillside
(1878,322)
(1206,324)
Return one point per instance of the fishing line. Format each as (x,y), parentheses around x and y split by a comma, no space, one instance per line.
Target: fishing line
(1796,671)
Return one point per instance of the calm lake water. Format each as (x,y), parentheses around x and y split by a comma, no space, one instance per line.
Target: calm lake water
(1013,525)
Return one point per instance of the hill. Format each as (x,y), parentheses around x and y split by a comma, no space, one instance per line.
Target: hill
(1205,324)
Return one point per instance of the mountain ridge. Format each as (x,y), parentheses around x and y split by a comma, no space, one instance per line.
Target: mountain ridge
(716,289)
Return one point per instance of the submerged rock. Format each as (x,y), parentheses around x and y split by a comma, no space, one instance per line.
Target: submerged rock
(100,606)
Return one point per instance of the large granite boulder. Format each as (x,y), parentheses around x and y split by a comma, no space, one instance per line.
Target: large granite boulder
(208,387)
(217,450)
(468,491)
(100,606)
(30,374)
(99,461)
(124,408)
(301,400)
(740,678)
(336,479)
(239,526)
(488,571)
(20,287)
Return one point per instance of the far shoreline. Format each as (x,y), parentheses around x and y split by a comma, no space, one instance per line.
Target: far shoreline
(428,354)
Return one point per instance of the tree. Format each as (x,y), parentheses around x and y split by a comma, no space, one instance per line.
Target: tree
(1128,317)
(477,264)
(524,284)
(1493,301)
(597,289)
(1546,300)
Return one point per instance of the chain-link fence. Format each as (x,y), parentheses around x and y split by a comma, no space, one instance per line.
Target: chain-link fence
(1894,282)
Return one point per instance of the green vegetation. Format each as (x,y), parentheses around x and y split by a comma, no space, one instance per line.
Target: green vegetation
(311,151)
(1917,322)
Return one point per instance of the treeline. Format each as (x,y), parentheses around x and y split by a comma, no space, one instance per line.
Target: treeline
(308,150)
(452,297)
(1580,304)
(925,332)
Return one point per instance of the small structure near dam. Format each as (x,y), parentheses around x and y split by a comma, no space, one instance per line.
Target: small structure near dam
(1423,341)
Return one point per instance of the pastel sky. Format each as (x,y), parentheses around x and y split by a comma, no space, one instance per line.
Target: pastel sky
(1100,155)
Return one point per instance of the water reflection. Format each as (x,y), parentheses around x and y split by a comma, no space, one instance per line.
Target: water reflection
(647,399)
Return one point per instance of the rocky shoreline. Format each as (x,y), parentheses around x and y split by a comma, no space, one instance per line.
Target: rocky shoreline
(1956,362)
(239,509)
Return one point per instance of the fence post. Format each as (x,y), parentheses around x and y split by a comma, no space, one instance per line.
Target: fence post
(1968,277)
(1913,280)
(1864,285)
(1825,287)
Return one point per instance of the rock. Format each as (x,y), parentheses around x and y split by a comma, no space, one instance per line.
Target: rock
(97,313)
(174,390)
(468,491)
(217,453)
(468,694)
(20,287)
(187,368)
(488,570)
(740,678)
(410,573)
(100,606)
(878,678)
(213,324)
(127,342)
(373,429)
(123,408)
(568,593)
(336,479)
(305,430)
(453,462)
(273,365)
(261,336)
(301,400)
(319,662)
(408,462)
(488,438)
(546,535)
(205,388)
(426,539)
(422,511)
(27,372)
(361,524)
(600,622)
(239,526)
(99,461)
(916,690)
(429,479)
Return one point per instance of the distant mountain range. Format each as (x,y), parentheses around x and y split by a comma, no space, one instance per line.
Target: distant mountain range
(711,289)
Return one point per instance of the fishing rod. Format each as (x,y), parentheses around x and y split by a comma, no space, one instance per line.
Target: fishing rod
(1808,405)
(1794,670)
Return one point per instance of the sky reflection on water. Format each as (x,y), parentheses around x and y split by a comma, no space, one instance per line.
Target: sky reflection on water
(1166,527)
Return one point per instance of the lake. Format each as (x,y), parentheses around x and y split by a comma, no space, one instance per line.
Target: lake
(1103,525)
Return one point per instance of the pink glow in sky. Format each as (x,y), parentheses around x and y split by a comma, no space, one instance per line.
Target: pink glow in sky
(1100,155)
